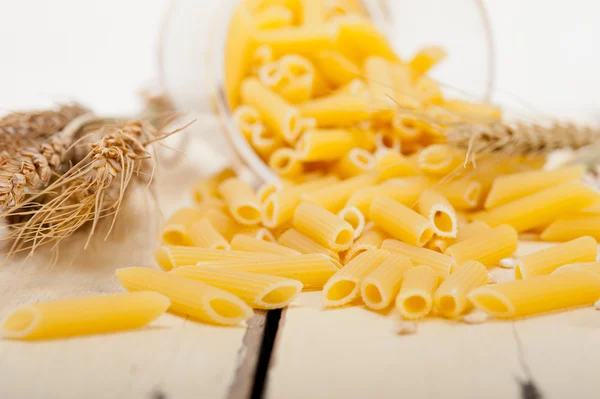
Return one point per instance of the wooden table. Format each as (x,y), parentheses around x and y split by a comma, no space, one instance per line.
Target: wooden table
(344,353)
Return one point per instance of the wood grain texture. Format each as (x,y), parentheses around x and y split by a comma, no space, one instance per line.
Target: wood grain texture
(171,358)
(354,353)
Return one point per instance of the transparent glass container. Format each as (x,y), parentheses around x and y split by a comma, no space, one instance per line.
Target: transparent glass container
(191,59)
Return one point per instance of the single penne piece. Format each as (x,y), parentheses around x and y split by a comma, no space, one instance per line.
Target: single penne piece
(241,201)
(404,190)
(541,208)
(338,110)
(426,58)
(223,223)
(277,114)
(488,248)
(312,270)
(450,298)
(334,198)
(356,34)
(344,286)
(336,68)
(391,164)
(279,207)
(593,267)
(545,261)
(285,162)
(442,264)
(573,226)
(187,256)
(247,120)
(469,230)
(260,57)
(507,188)
(356,87)
(557,291)
(400,222)
(273,17)
(273,76)
(403,78)
(355,217)
(313,12)
(264,142)
(271,187)
(242,242)
(238,52)
(379,78)
(440,159)
(407,126)
(191,298)
(370,239)
(162,259)
(83,316)
(381,286)
(363,137)
(463,194)
(176,230)
(478,111)
(206,188)
(293,239)
(304,40)
(440,213)
(203,234)
(297,91)
(259,291)
(415,299)
(324,227)
(354,163)
(324,144)
(386,140)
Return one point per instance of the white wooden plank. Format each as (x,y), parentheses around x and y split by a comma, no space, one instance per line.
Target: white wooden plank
(354,353)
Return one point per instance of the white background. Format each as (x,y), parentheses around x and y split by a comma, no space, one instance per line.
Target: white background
(103,52)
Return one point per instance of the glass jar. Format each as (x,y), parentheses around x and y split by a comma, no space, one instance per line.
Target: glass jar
(191,60)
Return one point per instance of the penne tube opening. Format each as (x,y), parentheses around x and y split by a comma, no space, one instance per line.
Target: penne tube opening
(270,211)
(285,163)
(248,213)
(292,125)
(355,217)
(425,235)
(444,222)
(227,312)
(448,304)
(415,305)
(491,302)
(21,322)
(343,238)
(280,295)
(340,291)
(175,235)
(373,294)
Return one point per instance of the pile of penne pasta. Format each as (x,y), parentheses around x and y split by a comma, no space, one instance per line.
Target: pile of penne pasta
(315,86)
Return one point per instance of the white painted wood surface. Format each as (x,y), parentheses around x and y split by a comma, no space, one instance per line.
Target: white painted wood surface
(354,353)
(171,358)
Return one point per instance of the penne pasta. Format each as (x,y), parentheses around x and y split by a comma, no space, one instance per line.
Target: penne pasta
(274,17)
(438,244)
(203,234)
(323,226)
(162,259)
(593,267)
(439,212)
(390,164)
(381,286)
(260,57)
(312,270)
(336,68)
(404,190)
(338,110)
(400,222)
(426,58)
(572,226)
(407,126)
(242,242)
(450,298)
(354,163)
(442,264)
(557,291)
(241,201)
(247,120)
(285,162)
(334,198)
(370,239)
(264,143)
(324,144)
(428,91)
(488,247)
(304,40)
(187,256)
(344,286)
(545,261)
(313,12)
(511,187)
(415,299)
(541,208)
(205,189)
(277,114)
(191,298)
(259,291)
(463,194)
(175,231)
(238,52)
(378,74)
(440,159)
(264,234)
(356,34)
(293,239)
(355,217)
(386,140)
(223,223)
(403,82)
(83,316)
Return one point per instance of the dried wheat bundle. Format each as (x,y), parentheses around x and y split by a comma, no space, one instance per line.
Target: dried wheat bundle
(110,156)
(520,138)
